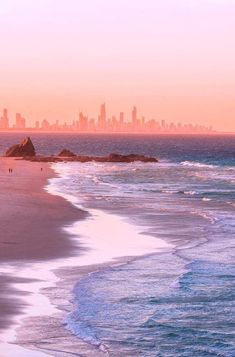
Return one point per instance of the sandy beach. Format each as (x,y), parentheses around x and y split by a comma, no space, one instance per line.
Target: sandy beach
(41,261)
(31,222)
(36,285)
(32,235)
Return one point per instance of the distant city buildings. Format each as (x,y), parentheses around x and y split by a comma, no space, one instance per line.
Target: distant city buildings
(20,123)
(4,121)
(105,124)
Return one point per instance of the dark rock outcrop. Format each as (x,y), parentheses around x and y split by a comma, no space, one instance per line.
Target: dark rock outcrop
(66,153)
(109,158)
(129,158)
(23,149)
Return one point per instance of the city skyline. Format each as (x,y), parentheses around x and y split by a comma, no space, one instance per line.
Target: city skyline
(175,59)
(104,123)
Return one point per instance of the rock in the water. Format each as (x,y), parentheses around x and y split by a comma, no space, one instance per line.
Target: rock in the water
(130,158)
(25,148)
(66,153)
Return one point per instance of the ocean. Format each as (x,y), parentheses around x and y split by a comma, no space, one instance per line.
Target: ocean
(175,220)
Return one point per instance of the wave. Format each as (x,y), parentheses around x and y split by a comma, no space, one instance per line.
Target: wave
(191,193)
(180,192)
(231,203)
(206,216)
(197,164)
(107,302)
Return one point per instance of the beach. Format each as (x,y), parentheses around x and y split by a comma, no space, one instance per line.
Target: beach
(34,217)
(39,261)
(117,178)
(42,259)
(31,222)
(114,259)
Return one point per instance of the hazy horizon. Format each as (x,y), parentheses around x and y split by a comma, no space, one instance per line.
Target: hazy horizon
(174,60)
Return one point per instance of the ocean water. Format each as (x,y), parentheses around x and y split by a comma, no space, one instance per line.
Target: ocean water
(170,302)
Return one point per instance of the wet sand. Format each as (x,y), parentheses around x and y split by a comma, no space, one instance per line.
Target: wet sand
(30,226)
(47,334)
(32,236)
(31,222)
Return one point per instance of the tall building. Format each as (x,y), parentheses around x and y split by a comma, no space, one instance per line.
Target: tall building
(121,118)
(45,125)
(142,122)
(91,125)
(83,122)
(102,117)
(134,117)
(4,121)
(20,122)
(121,121)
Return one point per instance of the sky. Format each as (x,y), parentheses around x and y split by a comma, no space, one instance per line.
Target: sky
(174,59)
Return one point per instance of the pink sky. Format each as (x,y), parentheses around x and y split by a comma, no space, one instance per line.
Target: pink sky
(174,59)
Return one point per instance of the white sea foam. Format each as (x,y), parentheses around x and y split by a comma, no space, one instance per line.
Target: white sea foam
(206,216)
(197,164)
(106,235)
(191,193)
(35,303)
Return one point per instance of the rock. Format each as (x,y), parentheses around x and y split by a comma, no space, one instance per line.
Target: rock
(25,148)
(130,158)
(66,153)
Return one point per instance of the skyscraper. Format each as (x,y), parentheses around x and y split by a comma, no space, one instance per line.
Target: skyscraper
(83,122)
(121,121)
(4,121)
(20,122)
(45,125)
(102,117)
(134,117)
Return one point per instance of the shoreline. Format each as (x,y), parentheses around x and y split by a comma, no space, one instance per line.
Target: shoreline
(47,301)
(31,234)
(145,306)
(47,334)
